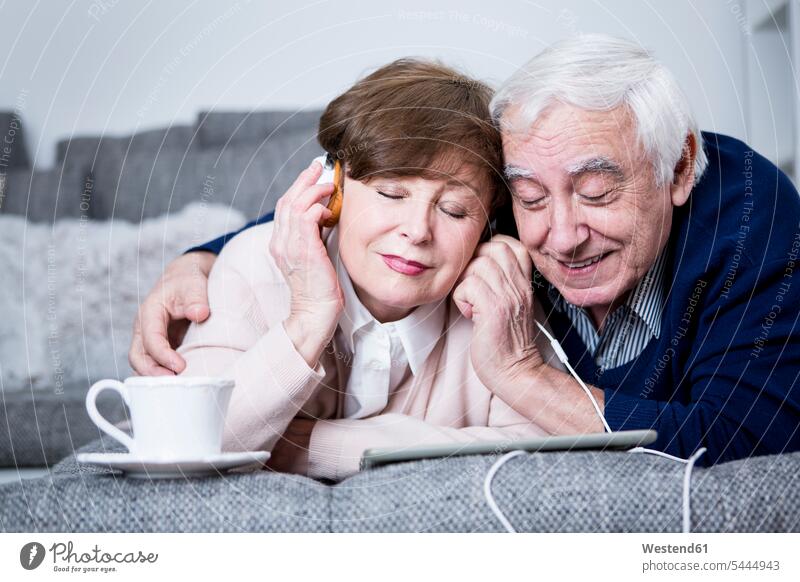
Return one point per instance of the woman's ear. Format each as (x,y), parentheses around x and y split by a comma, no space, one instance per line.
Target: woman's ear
(683,176)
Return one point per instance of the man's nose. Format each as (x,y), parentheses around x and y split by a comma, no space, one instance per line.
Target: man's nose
(415,221)
(568,231)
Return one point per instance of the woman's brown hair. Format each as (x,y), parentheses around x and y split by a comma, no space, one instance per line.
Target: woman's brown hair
(415,118)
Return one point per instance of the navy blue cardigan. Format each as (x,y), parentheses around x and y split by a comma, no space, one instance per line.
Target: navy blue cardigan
(724,372)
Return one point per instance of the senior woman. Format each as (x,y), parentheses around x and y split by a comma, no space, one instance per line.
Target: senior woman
(345,338)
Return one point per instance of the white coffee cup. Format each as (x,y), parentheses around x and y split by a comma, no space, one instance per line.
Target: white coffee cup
(173,417)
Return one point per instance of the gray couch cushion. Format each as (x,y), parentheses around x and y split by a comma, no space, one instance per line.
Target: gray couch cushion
(544,492)
(41,428)
(572,492)
(252,156)
(246,160)
(249,177)
(47,195)
(233,503)
(225,128)
(43,195)
(12,136)
(86,150)
(83,499)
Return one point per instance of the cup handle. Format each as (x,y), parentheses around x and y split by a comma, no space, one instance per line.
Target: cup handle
(97,418)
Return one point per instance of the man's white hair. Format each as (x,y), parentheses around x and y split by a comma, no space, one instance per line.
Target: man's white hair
(600,72)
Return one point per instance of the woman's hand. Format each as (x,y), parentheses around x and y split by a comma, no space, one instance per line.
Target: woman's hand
(316,298)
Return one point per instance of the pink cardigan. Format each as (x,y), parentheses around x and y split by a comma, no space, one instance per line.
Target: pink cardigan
(244,339)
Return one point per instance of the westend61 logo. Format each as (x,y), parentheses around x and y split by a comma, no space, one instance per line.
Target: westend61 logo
(65,559)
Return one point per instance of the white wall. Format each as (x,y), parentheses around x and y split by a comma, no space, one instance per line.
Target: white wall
(112,66)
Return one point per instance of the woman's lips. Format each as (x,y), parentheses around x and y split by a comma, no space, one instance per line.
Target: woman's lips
(403,266)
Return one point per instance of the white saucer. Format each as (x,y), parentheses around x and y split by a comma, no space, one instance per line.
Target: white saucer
(140,468)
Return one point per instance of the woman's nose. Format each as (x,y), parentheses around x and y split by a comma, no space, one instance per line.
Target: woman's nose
(416,220)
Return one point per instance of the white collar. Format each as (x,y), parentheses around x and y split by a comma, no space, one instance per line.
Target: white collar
(418,331)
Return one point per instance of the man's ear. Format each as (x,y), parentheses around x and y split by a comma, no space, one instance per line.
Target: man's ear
(683,176)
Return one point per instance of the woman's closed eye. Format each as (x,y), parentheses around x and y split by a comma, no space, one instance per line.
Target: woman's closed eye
(451,210)
(391,196)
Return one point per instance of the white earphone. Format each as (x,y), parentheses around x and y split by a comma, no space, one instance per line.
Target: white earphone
(331,174)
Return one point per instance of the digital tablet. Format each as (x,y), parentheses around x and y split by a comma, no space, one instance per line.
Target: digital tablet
(624,439)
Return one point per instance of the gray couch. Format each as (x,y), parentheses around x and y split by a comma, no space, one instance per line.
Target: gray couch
(544,492)
(249,160)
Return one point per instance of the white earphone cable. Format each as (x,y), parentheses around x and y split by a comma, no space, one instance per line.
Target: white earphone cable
(687,474)
(487,489)
(562,356)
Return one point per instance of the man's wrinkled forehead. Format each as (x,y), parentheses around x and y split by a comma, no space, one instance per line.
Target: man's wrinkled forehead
(561,120)
(583,141)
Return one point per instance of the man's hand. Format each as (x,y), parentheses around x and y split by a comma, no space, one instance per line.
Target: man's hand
(179,297)
(495,293)
(290,453)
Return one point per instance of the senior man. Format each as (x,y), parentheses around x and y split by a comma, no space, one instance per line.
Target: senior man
(665,260)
